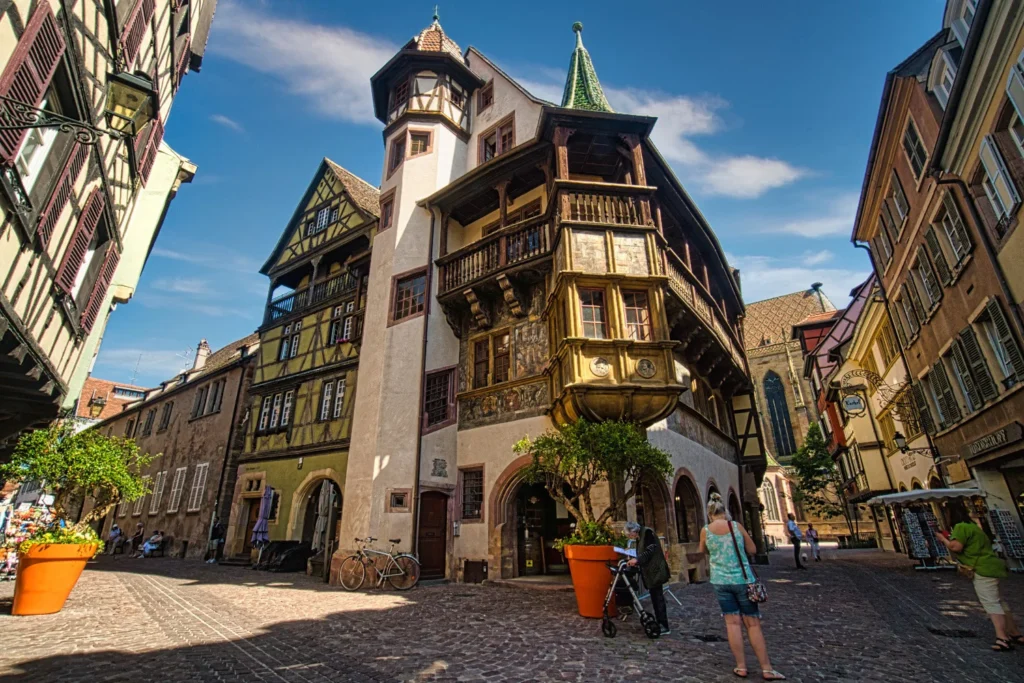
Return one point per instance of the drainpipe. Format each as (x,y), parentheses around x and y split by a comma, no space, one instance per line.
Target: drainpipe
(423,379)
(989,248)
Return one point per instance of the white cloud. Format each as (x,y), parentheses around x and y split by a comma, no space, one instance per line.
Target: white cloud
(816,258)
(835,218)
(182,285)
(763,277)
(329,66)
(227,122)
(747,177)
(210,256)
(152,364)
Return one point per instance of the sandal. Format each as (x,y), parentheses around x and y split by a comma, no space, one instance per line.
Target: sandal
(1002,645)
(740,672)
(772,675)
(1017,640)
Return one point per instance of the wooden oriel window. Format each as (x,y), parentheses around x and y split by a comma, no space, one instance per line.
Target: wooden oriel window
(439,398)
(481,362)
(638,315)
(401,94)
(501,358)
(410,297)
(593,314)
(486,96)
(473,494)
(419,142)
(397,153)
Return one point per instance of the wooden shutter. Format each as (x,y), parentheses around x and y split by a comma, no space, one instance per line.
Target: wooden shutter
(74,255)
(892,221)
(62,191)
(883,238)
(900,332)
(945,391)
(979,366)
(181,68)
(924,412)
(963,371)
(938,258)
(135,30)
(958,223)
(995,169)
(898,196)
(915,297)
(147,157)
(1006,338)
(931,285)
(99,290)
(30,70)
(909,310)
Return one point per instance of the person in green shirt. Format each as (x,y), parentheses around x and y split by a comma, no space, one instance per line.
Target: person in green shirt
(974,549)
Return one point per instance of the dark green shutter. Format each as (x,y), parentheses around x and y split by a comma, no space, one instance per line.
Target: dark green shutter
(958,223)
(963,371)
(931,285)
(941,266)
(1006,338)
(945,392)
(924,412)
(979,367)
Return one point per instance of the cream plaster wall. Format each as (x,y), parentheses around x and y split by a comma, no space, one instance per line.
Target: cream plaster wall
(705,465)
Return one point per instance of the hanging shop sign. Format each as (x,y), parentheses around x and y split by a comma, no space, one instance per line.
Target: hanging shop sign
(853,404)
(997,439)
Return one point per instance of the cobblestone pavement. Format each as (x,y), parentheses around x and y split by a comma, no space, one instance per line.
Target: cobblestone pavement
(858,616)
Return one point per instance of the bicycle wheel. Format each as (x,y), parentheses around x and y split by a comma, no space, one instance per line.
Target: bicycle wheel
(352,573)
(410,575)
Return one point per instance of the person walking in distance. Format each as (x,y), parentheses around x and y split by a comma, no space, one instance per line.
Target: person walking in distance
(812,538)
(721,540)
(795,537)
(653,568)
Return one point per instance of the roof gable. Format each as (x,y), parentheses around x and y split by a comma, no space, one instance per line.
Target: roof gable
(771,321)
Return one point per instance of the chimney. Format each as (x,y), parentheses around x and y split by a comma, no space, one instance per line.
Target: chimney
(202,353)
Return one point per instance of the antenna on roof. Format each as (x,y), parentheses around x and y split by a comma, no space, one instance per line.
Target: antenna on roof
(186,358)
(135,372)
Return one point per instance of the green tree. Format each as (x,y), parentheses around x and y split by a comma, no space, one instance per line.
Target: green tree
(73,466)
(571,460)
(819,482)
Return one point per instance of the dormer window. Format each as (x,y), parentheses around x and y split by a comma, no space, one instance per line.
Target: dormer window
(963,19)
(486,96)
(498,140)
(943,73)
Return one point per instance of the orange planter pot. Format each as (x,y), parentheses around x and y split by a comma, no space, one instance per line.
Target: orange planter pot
(591,577)
(46,575)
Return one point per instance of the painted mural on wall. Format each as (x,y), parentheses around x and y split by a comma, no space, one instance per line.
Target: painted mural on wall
(531,348)
(631,254)
(504,405)
(589,254)
(683,421)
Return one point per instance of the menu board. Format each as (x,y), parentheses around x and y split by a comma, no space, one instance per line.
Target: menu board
(1008,533)
(914,535)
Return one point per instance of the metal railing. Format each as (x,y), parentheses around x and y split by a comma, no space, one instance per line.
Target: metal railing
(307,296)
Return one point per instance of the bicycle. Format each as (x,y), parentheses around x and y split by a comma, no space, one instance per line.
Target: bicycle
(401,570)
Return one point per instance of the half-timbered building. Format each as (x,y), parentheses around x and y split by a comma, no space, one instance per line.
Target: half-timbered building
(78,214)
(301,401)
(533,264)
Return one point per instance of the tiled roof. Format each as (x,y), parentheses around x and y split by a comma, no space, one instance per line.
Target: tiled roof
(218,359)
(102,392)
(434,39)
(819,318)
(365,195)
(771,321)
(582,89)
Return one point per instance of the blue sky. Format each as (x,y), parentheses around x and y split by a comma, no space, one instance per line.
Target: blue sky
(766,111)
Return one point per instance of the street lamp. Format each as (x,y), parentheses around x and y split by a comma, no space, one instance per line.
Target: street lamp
(901,442)
(129,107)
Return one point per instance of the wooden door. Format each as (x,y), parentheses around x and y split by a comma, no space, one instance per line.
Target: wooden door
(250,524)
(433,538)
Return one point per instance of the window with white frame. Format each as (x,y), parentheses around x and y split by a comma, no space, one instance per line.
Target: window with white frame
(275,413)
(286,340)
(177,485)
(999,188)
(924,277)
(899,199)
(34,150)
(958,240)
(286,409)
(265,412)
(1015,93)
(946,67)
(195,496)
(963,380)
(963,18)
(339,398)
(1016,129)
(1004,344)
(158,492)
(917,156)
(346,332)
(137,510)
(296,333)
(334,334)
(325,400)
(122,509)
(320,223)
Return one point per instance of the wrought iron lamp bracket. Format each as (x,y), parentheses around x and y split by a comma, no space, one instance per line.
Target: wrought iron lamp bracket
(15,115)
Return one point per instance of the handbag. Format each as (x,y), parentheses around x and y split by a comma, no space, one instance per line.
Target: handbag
(965,571)
(756,592)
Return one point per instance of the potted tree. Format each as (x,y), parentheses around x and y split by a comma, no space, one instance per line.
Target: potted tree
(571,461)
(73,466)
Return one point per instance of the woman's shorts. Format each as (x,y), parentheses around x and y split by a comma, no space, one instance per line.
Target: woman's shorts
(987,589)
(733,600)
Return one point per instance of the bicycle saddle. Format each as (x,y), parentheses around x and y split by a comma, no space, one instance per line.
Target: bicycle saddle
(396,541)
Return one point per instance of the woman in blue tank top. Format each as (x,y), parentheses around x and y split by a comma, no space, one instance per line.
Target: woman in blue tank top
(727,545)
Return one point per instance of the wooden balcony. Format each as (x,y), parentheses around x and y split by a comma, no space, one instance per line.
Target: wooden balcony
(698,304)
(604,203)
(510,247)
(307,297)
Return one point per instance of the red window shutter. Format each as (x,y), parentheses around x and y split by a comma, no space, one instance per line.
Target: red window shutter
(62,191)
(80,239)
(182,67)
(99,291)
(148,156)
(30,70)
(135,30)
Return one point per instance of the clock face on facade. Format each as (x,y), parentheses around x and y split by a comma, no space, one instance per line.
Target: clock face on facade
(645,368)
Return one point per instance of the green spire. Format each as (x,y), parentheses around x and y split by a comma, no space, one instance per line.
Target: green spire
(582,89)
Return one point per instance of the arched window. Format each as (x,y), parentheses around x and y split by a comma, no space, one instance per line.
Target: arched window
(771,503)
(688,516)
(778,413)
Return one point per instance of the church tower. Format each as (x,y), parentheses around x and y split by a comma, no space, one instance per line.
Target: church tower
(422,95)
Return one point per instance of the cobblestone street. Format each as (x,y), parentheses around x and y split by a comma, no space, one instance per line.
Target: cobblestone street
(855,617)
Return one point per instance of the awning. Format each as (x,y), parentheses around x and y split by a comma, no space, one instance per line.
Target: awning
(923,495)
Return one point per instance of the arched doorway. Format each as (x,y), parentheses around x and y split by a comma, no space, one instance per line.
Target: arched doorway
(539,520)
(433,535)
(935,483)
(652,507)
(734,507)
(688,511)
(915,485)
(321,512)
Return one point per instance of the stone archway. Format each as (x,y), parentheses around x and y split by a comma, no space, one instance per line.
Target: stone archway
(688,509)
(653,509)
(501,509)
(733,505)
(309,486)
